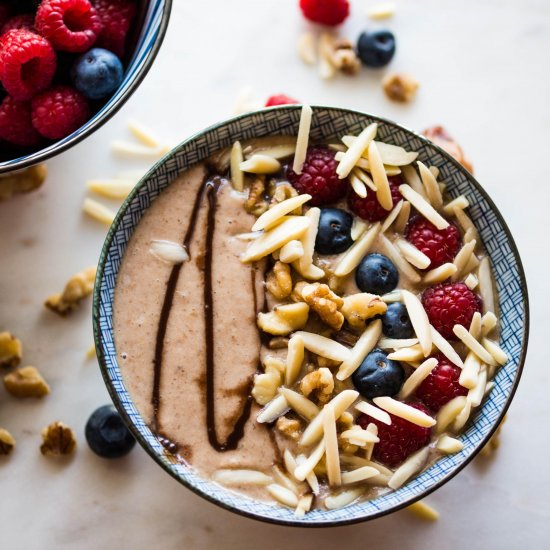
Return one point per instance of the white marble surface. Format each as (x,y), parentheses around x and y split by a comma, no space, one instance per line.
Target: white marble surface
(483,65)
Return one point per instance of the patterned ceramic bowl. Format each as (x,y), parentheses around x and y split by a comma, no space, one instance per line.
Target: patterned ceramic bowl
(327,123)
(145,43)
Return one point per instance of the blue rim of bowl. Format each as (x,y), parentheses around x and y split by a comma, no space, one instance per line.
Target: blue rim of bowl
(222,504)
(115,103)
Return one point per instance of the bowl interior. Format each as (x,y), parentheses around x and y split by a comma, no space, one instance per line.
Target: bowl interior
(327,123)
(143,45)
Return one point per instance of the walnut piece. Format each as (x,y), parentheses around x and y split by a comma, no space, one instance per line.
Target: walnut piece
(440,137)
(325,303)
(58,440)
(279,281)
(400,87)
(256,202)
(344,58)
(79,287)
(297,291)
(359,307)
(26,382)
(283,320)
(11,350)
(289,427)
(283,191)
(22,181)
(266,384)
(320,382)
(7,442)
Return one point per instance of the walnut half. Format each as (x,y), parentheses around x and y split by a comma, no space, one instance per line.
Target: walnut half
(325,303)
(291,428)
(79,287)
(320,382)
(22,181)
(279,281)
(7,442)
(400,87)
(58,440)
(11,350)
(26,382)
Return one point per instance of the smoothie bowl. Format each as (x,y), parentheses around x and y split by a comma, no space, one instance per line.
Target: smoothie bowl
(310,316)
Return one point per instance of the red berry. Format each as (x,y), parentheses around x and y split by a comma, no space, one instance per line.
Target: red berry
(70,25)
(319,177)
(399,440)
(440,245)
(22,21)
(59,111)
(16,123)
(116,17)
(27,63)
(326,12)
(441,385)
(369,208)
(450,304)
(280,99)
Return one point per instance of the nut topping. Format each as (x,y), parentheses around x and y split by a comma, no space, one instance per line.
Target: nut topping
(320,382)
(279,281)
(325,303)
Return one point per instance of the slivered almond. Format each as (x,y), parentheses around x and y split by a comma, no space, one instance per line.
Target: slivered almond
(410,467)
(327,68)
(300,404)
(291,251)
(260,164)
(488,388)
(391,217)
(397,343)
(340,402)
(358,436)
(289,462)
(307,466)
(275,408)
(394,155)
(355,152)
(251,236)
(445,348)
(331,447)
(435,171)
(461,259)
(268,218)
(471,265)
(134,150)
(448,413)
(423,511)
(466,223)
(357,185)
(413,179)
(280,478)
(439,274)
(360,350)
(241,477)
(304,265)
(291,228)
(236,159)
(169,251)
(357,251)
(112,188)
(307,48)
(413,353)
(475,325)
(294,359)
(460,203)
(402,410)
(323,346)
(471,281)
(471,343)
(417,377)
(358,228)
(360,474)
(283,495)
(303,506)
(402,218)
(383,193)
(369,448)
(488,322)
(311,478)
(364,177)
(384,10)
(302,140)
(414,256)
(423,206)
(486,285)
(395,256)
(392,297)
(431,186)
(462,417)
(495,350)
(342,499)
(419,320)
(144,134)
(278,152)
(475,395)
(449,445)
(374,412)
(98,211)
(470,371)
(470,235)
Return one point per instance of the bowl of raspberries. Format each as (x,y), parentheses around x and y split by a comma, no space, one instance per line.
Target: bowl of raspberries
(66,66)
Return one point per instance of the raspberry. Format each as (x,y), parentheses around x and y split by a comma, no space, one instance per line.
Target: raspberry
(23,21)
(59,111)
(70,25)
(399,440)
(326,12)
(441,385)
(440,245)
(27,63)
(318,177)
(116,16)
(450,304)
(16,124)
(280,99)
(369,208)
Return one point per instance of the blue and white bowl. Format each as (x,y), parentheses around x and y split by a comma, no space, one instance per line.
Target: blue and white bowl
(327,123)
(152,22)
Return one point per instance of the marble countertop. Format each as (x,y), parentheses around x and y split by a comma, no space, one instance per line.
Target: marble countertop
(482,65)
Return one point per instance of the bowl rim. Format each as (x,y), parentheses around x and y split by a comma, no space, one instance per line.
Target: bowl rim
(232,508)
(111,109)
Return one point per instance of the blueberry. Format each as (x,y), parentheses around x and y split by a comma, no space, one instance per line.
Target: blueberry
(107,435)
(334,233)
(97,73)
(376,274)
(396,322)
(376,48)
(377,375)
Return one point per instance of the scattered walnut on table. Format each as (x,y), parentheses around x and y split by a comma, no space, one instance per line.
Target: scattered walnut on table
(279,281)
(325,303)
(26,382)
(7,442)
(400,87)
(320,383)
(58,440)
(79,287)
(256,204)
(291,428)
(22,181)
(11,350)
(440,137)
(343,57)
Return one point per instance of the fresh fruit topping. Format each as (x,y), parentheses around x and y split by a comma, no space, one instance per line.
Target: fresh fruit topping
(70,25)
(376,274)
(396,322)
(107,435)
(59,111)
(27,63)
(376,49)
(334,232)
(22,21)
(16,123)
(326,12)
(440,245)
(318,177)
(280,99)
(369,208)
(450,304)
(441,385)
(399,440)
(116,17)
(378,376)
(97,73)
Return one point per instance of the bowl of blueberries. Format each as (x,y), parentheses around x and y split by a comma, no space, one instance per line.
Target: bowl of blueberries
(67,66)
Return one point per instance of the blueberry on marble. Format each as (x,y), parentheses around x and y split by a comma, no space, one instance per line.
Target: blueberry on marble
(376,49)
(378,376)
(107,435)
